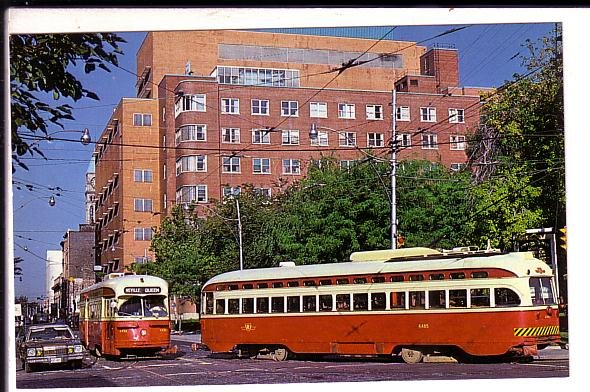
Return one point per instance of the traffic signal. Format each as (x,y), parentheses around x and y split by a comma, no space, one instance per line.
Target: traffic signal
(563,238)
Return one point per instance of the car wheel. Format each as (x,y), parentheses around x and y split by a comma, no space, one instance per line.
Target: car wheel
(77,364)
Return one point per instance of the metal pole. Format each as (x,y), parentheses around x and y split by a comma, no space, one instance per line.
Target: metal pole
(240,235)
(554,262)
(393,168)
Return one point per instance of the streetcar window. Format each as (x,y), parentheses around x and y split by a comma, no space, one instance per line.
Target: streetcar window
(292,304)
(325,282)
(262,285)
(479,274)
(219,287)
(220,306)
(457,275)
(360,280)
(247,286)
(277,305)
(309,303)
(415,278)
(541,292)
(232,287)
(360,301)
(342,281)
(436,299)
(396,278)
(417,300)
(277,285)
(233,306)
(342,302)
(326,303)
(398,300)
(480,298)
(209,303)
(378,279)
(293,283)
(506,297)
(377,301)
(131,307)
(153,305)
(437,276)
(457,298)
(262,305)
(309,283)
(247,305)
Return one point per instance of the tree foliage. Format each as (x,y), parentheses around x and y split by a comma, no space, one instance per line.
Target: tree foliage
(40,68)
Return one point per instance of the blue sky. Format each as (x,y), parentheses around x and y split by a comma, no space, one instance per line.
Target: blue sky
(488,56)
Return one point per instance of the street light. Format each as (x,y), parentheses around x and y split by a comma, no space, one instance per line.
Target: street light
(313,135)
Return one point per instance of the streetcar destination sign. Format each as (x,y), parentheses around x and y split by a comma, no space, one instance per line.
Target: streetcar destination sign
(142,290)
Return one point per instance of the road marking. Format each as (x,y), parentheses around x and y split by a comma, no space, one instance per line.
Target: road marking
(540,364)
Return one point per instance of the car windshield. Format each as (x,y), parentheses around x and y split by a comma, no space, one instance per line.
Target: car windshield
(50,333)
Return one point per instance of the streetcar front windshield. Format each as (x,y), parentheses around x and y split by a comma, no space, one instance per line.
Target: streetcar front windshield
(148,306)
(542,291)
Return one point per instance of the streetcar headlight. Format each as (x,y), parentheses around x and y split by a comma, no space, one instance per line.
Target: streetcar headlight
(78,348)
(30,352)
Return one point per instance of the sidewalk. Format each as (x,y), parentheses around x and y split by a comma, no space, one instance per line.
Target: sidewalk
(190,337)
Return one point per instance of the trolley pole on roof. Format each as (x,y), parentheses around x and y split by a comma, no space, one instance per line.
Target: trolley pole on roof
(393,168)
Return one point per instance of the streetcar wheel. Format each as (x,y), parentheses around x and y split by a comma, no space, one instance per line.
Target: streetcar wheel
(280,354)
(253,353)
(411,356)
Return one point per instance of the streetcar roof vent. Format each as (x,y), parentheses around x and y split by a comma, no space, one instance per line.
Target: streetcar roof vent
(469,250)
(393,254)
(287,264)
(113,275)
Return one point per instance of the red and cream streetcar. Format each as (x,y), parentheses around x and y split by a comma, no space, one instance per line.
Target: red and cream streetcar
(413,302)
(125,316)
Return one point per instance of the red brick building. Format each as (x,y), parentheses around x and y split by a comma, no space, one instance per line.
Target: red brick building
(240,109)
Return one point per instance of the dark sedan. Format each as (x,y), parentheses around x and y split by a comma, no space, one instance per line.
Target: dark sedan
(49,344)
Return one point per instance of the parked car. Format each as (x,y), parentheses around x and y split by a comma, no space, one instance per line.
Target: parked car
(49,344)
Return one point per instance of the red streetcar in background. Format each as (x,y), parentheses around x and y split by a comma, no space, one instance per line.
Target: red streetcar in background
(410,302)
(125,316)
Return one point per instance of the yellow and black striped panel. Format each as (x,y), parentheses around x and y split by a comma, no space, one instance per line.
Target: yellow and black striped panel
(537,331)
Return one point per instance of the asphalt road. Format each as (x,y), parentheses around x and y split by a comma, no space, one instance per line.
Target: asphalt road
(203,368)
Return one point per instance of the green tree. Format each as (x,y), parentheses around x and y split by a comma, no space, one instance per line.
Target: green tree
(41,64)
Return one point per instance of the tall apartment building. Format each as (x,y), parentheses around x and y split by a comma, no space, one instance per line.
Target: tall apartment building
(221,109)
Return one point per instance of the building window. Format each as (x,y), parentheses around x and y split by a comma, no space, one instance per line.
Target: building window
(346,164)
(258,76)
(190,103)
(429,141)
(264,192)
(191,133)
(230,191)
(374,112)
(457,166)
(290,108)
(141,175)
(260,136)
(143,205)
(230,135)
(260,107)
(290,137)
(402,113)
(192,193)
(375,140)
(230,106)
(428,114)
(456,115)
(142,119)
(191,163)
(318,109)
(346,110)
(291,166)
(347,139)
(404,140)
(231,164)
(321,140)
(143,233)
(261,165)
(457,142)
